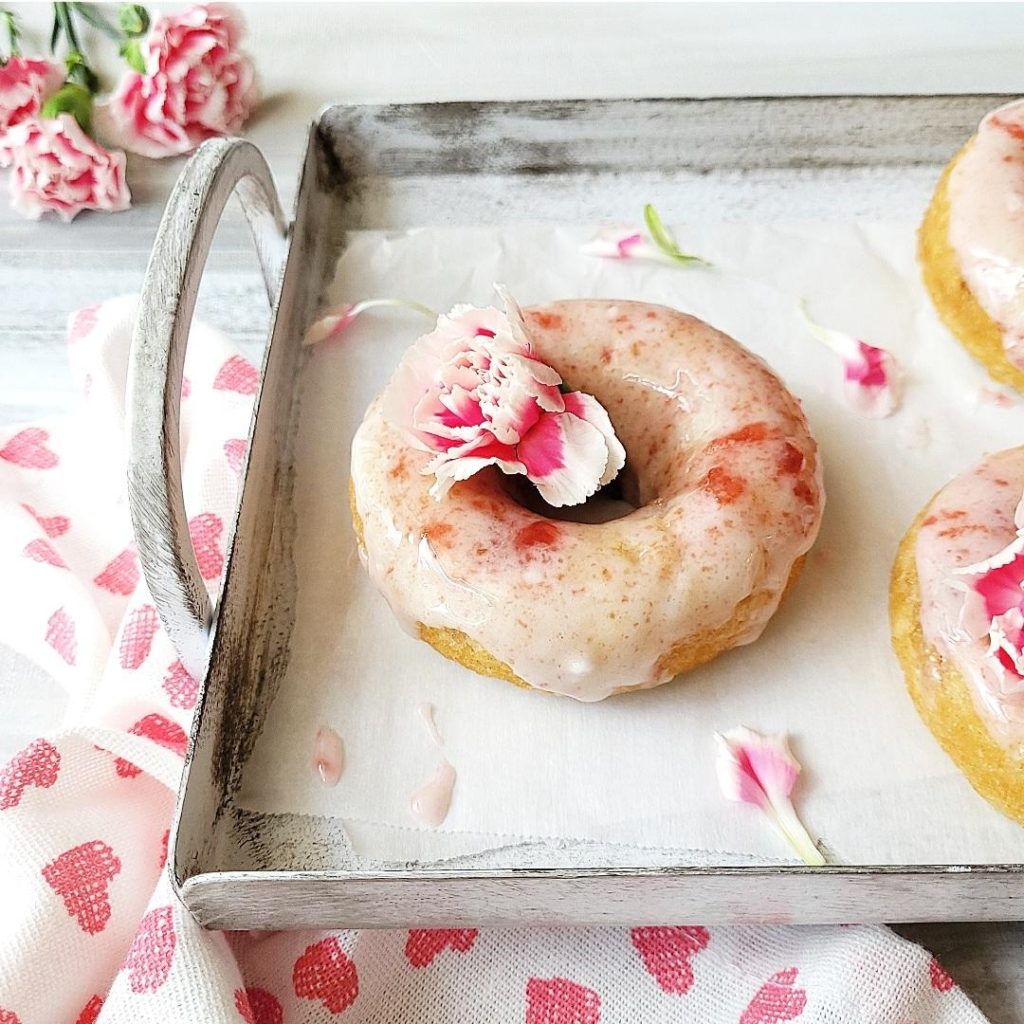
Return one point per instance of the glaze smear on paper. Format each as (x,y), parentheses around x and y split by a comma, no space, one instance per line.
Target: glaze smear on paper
(328,756)
(431,802)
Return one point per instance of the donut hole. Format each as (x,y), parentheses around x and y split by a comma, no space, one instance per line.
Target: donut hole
(615,500)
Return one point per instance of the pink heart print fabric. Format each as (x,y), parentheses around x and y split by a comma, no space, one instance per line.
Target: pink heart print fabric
(90,929)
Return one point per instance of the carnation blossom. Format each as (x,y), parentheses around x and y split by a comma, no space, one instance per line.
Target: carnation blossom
(24,85)
(996,587)
(56,167)
(196,84)
(473,393)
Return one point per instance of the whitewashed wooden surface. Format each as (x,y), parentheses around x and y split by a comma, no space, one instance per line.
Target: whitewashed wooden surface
(425,51)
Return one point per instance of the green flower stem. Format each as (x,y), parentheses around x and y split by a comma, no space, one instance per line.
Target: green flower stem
(788,825)
(90,13)
(13,35)
(663,239)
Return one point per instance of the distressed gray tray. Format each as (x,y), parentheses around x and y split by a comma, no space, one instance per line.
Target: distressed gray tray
(413,165)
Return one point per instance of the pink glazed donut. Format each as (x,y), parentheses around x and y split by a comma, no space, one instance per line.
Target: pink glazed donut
(721,467)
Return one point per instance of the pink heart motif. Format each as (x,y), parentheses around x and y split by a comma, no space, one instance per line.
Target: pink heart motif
(668,953)
(83,323)
(121,574)
(234,452)
(152,951)
(181,687)
(325,973)
(205,530)
(60,635)
(28,450)
(80,877)
(40,550)
(258,1006)
(237,374)
(90,1012)
(37,765)
(164,842)
(137,636)
(940,979)
(52,526)
(160,730)
(776,1000)
(560,1001)
(423,944)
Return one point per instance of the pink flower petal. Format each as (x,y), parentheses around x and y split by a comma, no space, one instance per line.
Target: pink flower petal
(622,244)
(336,321)
(588,408)
(565,458)
(761,771)
(873,379)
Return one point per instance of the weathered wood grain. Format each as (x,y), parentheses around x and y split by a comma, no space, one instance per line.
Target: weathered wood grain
(219,168)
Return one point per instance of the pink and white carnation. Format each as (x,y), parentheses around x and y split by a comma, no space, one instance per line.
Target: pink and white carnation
(56,167)
(197,84)
(473,393)
(996,607)
(25,84)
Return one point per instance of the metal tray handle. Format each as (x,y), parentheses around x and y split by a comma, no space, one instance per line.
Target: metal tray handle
(168,298)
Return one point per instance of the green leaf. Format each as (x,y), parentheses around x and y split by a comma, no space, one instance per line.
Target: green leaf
(91,14)
(133,19)
(664,241)
(74,99)
(55,33)
(132,53)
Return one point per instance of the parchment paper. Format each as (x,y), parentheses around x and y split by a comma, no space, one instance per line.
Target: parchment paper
(635,774)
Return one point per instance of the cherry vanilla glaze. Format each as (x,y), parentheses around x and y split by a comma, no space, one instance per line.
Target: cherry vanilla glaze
(986,221)
(969,521)
(730,498)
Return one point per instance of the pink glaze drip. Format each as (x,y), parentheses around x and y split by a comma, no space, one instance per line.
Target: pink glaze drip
(968,521)
(986,221)
(426,712)
(431,802)
(328,756)
(727,475)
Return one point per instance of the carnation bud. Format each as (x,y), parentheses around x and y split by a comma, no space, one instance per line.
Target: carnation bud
(133,19)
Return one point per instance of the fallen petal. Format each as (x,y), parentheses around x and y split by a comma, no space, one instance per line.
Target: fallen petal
(336,321)
(872,377)
(761,771)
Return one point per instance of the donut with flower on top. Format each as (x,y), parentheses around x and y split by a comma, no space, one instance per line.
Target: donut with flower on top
(501,433)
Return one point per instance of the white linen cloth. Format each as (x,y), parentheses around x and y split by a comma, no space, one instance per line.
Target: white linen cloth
(89,927)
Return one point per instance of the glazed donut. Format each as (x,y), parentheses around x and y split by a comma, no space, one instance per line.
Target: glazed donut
(727,487)
(968,694)
(971,245)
